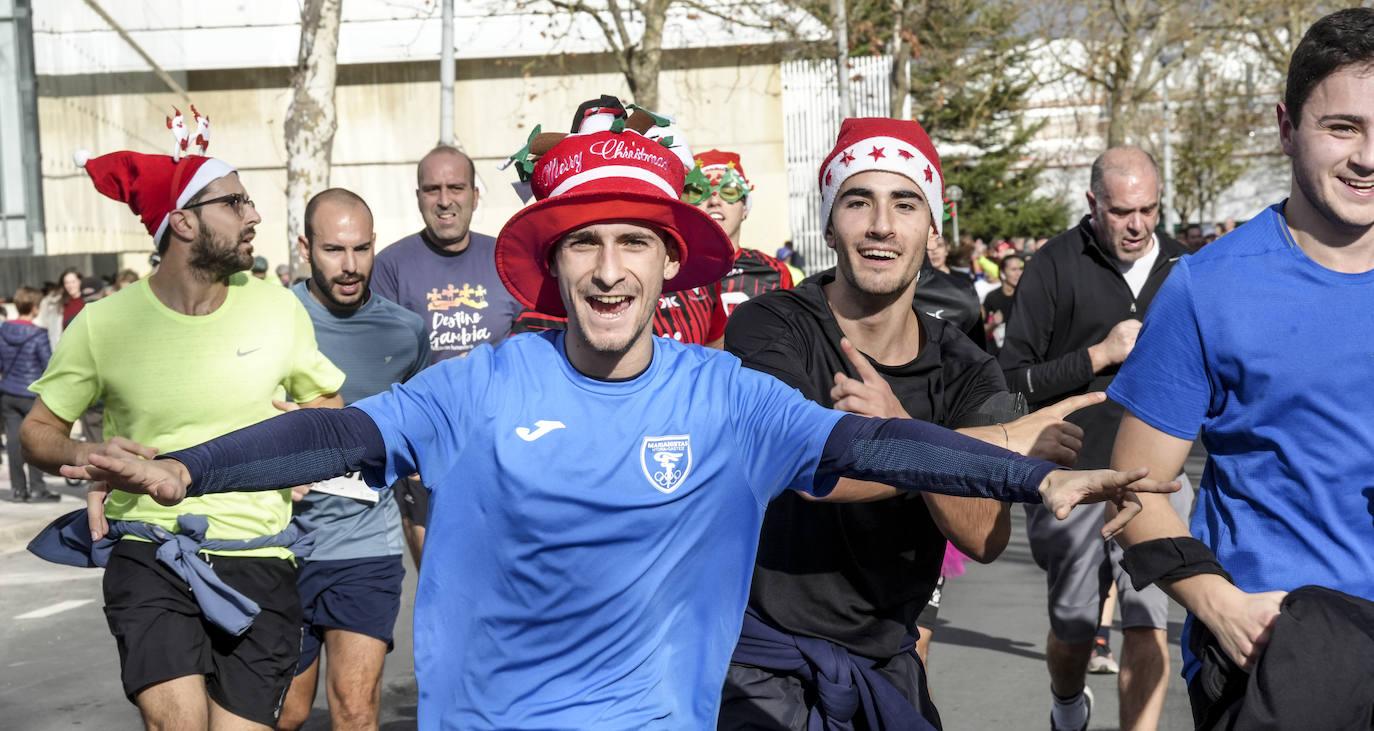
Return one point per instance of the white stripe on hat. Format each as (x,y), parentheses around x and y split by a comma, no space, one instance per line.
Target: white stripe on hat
(212,169)
(894,156)
(614,171)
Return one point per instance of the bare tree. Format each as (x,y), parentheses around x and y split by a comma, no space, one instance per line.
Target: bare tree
(633,31)
(1274,27)
(1210,129)
(1121,42)
(311,120)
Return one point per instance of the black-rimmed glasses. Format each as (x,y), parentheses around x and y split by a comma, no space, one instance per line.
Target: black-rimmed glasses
(236,201)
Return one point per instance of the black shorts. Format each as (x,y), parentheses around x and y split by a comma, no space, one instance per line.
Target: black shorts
(413,498)
(162,635)
(360,595)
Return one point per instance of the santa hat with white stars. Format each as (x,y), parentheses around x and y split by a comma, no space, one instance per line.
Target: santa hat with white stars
(878,143)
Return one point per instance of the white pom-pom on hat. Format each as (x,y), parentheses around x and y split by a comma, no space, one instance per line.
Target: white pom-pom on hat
(80,157)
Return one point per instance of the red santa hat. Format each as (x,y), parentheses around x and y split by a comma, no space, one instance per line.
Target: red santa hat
(878,143)
(713,160)
(152,185)
(606,176)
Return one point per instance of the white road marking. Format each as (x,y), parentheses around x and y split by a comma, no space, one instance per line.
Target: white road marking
(55,575)
(52,609)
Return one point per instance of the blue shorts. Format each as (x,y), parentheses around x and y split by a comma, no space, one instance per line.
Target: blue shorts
(357,595)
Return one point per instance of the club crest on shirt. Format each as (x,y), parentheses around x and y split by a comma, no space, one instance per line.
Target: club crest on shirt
(666,461)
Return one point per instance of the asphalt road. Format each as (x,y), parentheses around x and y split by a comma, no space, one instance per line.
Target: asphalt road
(59,669)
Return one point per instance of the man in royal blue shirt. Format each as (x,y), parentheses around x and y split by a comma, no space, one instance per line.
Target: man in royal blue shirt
(1257,341)
(598,492)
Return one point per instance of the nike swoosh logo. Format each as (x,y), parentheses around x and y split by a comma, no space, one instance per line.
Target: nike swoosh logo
(243,352)
(542,427)
(387,359)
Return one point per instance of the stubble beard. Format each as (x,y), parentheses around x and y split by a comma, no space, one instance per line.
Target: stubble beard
(217,262)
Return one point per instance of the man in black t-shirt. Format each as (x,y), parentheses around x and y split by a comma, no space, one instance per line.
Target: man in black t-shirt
(856,576)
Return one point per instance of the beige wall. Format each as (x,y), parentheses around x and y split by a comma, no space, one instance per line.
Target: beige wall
(388,118)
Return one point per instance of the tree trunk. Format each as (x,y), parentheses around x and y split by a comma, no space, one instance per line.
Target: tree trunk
(647,58)
(310,121)
(899,82)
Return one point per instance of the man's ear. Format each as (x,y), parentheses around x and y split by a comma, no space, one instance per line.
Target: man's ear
(1287,125)
(303,248)
(829,235)
(672,263)
(182,224)
(1092,202)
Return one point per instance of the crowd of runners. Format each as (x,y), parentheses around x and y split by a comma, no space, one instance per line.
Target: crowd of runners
(654,478)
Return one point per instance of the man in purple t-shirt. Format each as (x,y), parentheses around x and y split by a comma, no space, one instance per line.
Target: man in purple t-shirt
(446,274)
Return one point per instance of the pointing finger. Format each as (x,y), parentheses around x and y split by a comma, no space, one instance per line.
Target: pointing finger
(1073,403)
(867,373)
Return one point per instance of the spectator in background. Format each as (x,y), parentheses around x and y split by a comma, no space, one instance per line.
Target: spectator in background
(1193,237)
(24,353)
(260,267)
(284,275)
(125,278)
(71,295)
(937,254)
(997,304)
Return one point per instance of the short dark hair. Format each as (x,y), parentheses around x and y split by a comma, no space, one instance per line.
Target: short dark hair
(26,300)
(337,195)
(166,239)
(1003,263)
(1192,226)
(1343,38)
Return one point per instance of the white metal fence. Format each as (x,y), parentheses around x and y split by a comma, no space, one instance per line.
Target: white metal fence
(811,120)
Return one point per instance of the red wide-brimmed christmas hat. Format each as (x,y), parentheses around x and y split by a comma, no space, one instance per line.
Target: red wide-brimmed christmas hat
(878,143)
(599,177)
(155,185)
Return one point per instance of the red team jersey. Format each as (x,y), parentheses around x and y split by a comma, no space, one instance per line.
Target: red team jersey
(753,274)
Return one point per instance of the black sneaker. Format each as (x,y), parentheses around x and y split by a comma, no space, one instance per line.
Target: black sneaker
(47,497)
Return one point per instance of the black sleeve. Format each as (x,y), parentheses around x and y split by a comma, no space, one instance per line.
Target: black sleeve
(1024,353)
(296,448)
(914,455)
(765,341)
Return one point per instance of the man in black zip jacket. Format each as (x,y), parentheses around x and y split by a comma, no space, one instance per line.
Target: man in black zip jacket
(1078,309)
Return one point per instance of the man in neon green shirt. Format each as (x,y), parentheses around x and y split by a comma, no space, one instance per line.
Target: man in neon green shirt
(198,349)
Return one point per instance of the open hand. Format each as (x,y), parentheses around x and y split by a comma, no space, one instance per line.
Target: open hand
(867,395)
(1063,489)
(164,480)
(98,491)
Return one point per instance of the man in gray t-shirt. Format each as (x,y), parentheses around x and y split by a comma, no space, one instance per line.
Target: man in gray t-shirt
(350,586)
(446,274)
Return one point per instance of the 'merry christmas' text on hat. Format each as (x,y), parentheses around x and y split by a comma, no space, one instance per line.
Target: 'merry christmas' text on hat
(155,185)
(600,177)
(891,145)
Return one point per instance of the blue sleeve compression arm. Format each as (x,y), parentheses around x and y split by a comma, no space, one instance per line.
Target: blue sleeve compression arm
(914,455)
(296,448)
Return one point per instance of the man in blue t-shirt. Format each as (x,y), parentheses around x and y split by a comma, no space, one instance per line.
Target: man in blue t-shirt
(598,492)
(350,585)
(1256,340)
(446,274)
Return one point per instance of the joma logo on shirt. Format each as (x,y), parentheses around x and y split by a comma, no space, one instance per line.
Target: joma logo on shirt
(668,301)
(666,461)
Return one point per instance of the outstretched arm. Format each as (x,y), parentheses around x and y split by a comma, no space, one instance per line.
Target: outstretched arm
(302,446)
(913,455)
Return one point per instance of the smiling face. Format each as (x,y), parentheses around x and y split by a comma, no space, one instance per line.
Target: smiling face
(447,197)
(879,228)
(610,276)
(340,254)
(1332,147)
(730,216)
(1125,208)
